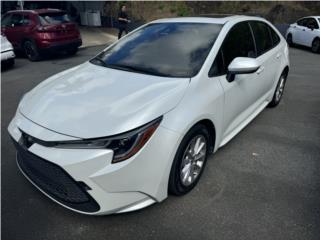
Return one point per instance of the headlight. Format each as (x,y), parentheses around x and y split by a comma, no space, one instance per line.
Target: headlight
(123,145)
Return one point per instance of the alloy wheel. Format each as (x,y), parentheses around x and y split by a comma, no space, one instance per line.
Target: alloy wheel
(193,160)
(280,89)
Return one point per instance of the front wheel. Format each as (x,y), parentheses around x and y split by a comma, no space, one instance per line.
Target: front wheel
(289,40)
(189,161)
(315,45)
(279,91)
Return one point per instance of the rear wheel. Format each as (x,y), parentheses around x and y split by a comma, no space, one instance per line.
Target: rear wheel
(289,40)
(279,91)
(189,161)
(31,50)
(315,45)
(72,51)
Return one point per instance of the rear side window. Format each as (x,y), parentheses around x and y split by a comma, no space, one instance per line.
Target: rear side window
(262,37)
(16,20)
(53,18)
(238,43)
(26,20)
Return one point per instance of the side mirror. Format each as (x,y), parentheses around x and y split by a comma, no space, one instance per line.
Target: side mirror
(241,65)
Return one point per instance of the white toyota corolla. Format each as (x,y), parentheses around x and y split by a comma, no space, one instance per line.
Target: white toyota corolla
(117,133)
(306,32)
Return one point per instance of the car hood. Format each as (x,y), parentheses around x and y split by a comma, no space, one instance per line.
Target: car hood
(90,101)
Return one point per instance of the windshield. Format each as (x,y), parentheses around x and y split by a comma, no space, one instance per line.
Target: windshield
(163,49)
(54,18)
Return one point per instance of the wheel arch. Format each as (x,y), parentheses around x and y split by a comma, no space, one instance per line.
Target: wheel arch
(212,131)
(285,70)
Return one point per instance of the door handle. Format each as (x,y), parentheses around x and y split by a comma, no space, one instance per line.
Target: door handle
(260,70)
(278,55)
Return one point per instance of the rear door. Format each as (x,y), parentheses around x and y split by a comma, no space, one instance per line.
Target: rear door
(268,54)
(14,28)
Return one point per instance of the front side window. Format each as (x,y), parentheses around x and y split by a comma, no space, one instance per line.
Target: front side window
(312,23)
(164,49)
(6,21)
(238,43)
(262,36)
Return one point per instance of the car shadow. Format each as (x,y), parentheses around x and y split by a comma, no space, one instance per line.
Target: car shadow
(304,48)
(49,55)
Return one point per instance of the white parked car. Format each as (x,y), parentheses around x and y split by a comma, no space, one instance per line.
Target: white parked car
(306,32)
(7,54)
(139,120)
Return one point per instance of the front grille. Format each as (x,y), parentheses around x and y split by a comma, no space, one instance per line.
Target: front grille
(55,181)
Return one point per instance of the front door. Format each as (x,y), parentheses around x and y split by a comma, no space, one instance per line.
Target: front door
(14,29)
(240,94)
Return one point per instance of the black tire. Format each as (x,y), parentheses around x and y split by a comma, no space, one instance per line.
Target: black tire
(72,51)
(176,185)
(280,85)
(289,40)
(31,50)
(315,45)
(9,63)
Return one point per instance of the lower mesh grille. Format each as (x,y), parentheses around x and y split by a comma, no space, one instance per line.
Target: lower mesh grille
(55,181)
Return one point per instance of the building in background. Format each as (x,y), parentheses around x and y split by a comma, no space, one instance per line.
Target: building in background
(87,13)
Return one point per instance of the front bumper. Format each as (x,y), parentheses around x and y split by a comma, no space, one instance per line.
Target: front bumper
(126,186)
(7,54)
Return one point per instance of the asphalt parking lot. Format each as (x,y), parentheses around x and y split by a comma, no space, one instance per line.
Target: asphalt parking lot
(264,184)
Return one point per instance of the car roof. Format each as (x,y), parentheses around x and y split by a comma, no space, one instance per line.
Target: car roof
(37,11)
(309,17)
(210,18)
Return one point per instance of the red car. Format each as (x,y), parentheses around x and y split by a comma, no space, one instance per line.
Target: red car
(39,31)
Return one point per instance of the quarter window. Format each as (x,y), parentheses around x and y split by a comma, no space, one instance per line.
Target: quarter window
(262,37)
(238,43)
(275,37)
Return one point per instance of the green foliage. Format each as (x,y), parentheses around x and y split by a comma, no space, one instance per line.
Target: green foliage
(183,10)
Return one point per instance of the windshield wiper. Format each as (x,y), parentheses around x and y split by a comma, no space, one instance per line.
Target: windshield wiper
(149,71)
(99,61)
